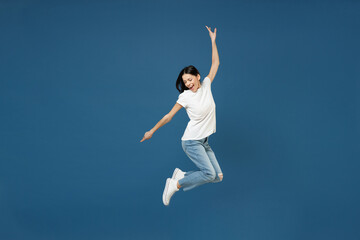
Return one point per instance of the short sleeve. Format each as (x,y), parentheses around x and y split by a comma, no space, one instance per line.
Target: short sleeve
(182,100)
(207,82)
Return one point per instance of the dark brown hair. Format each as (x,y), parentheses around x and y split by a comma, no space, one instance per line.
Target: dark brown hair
(180,85)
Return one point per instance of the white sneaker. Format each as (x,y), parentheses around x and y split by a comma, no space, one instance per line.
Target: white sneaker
(178,174)
(170,189)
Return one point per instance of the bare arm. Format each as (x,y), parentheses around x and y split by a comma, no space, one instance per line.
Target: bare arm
(161,123)
(215,62)
(167,118)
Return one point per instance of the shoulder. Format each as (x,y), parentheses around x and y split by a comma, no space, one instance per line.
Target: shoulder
(206,81)
(184,93)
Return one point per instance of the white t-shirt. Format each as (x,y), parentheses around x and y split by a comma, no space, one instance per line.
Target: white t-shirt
(200,107)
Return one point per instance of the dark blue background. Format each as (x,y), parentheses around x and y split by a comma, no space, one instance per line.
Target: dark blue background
(82,81)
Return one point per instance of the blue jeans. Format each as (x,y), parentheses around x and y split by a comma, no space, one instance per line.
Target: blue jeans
(204,158)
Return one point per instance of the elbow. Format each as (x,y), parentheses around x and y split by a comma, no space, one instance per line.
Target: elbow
(167,118)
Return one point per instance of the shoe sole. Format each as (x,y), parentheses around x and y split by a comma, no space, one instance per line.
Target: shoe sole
(165,191)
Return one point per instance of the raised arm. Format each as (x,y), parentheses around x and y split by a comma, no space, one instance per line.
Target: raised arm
(215,55)
(167,118)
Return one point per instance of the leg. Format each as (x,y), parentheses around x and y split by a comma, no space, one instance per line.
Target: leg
(196,152)
(214,162)
(186,174)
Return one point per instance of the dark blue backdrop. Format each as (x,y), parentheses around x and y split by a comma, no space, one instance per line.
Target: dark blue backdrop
(82,81)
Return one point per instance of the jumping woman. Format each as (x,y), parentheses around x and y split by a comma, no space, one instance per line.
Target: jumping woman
(198,101)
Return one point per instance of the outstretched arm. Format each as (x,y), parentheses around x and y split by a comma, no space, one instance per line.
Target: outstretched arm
(167,118)
(215,55)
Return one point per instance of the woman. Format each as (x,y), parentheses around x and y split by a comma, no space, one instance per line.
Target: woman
(198,101)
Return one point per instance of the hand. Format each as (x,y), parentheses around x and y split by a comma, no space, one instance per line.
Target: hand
(147,136)
(212,34)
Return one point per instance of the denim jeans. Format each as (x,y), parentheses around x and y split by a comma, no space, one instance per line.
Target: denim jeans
(204,158)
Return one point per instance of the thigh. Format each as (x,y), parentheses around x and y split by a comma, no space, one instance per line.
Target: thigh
(212,157)
(195,150)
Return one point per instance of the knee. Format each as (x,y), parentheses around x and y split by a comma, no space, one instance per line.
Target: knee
(210,175)
(218,178)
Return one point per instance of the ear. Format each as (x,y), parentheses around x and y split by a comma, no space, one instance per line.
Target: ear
(198,77)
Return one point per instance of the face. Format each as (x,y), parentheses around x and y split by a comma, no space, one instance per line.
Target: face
(191,82)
